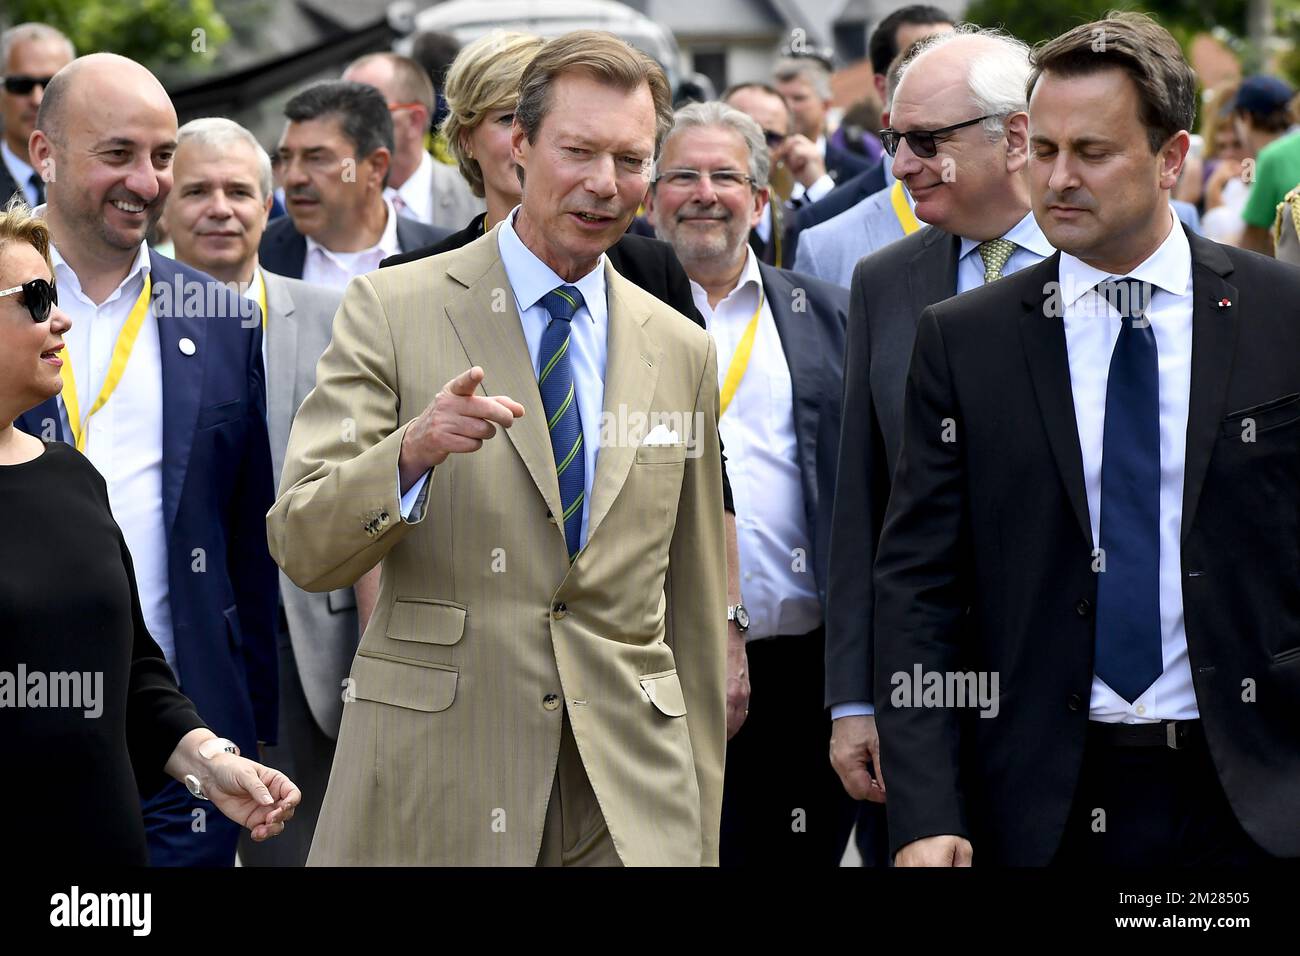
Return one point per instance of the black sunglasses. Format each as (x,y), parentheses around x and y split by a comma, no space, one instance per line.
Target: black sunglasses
(773,139)
(924,142)
(38,295)
(22,85)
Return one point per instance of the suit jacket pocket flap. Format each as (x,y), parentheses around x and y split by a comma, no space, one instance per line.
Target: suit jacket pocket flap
(414,685)
(665,692)
(1280,411)
(660,454)
(426,621)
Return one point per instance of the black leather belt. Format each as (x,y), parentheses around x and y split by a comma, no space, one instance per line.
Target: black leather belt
(1174,734)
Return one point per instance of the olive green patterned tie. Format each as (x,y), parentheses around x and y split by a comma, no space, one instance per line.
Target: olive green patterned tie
(995,253)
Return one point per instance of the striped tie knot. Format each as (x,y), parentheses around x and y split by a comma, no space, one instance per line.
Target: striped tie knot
(563,302)
(995,253)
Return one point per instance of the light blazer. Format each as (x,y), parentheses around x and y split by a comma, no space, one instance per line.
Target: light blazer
(322,627)
(482,628)
(454,204)
(830,249)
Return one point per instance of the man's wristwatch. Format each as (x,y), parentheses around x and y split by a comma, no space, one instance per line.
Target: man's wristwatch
(737,613)
(207,750)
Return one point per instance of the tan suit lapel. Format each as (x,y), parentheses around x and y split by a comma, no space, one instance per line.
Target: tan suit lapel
(488,325)
(631,373)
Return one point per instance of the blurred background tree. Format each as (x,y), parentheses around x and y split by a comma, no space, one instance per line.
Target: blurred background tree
(174,38)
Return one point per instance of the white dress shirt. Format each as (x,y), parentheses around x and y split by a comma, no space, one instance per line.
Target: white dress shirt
(530,278)
(1032,248)
(1091,329)
(125,437)
(21,171)
(762,462)
(335,270)
(416,194)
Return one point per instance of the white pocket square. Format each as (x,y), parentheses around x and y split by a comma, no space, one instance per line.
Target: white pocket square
(661,435)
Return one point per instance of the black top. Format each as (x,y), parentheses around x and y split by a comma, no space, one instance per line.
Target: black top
(650,264)
(88,745)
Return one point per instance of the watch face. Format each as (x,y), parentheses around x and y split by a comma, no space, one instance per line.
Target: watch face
(742,617)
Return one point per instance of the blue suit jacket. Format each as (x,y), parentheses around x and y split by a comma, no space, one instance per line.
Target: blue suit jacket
(217,489)
(810,317)
(283,249)
(846,194)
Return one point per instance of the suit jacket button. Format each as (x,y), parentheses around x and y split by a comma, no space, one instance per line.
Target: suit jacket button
(559,611)
(1083,608)
(551,701)
(1075,702)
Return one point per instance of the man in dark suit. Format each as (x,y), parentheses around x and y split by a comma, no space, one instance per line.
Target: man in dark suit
(780,340)
(805,83)
(164,393)
(334,163)
(1090,448)
(30,54)
(981,227)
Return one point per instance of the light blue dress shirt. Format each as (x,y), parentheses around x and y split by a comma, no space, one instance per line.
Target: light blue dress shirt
(530,278)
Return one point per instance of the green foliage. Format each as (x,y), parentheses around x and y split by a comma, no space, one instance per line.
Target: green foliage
(164,35)
(1035,22)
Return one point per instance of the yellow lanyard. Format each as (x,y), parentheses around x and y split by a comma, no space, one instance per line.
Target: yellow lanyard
(906,218)
(740,361)
(261,300)
(116,366)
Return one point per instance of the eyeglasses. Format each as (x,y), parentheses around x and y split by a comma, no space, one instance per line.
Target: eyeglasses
(22,85)
(722,179)
(38,295)
(924,142)
(394,107)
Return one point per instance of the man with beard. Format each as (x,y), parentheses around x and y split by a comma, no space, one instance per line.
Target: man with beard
(781,338)
(163,391)
(551,616)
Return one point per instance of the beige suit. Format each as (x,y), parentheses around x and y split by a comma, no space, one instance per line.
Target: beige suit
(484,636)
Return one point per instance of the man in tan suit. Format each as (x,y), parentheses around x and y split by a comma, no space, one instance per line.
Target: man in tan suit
(543,680)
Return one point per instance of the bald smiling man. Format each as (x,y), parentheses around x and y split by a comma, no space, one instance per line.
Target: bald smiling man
(163,392)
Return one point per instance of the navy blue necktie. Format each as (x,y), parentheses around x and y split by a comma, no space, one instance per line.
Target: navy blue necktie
(38,185)
(560,401)
(1128,647)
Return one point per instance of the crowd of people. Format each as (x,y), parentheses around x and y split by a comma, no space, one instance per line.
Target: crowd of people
(941,447)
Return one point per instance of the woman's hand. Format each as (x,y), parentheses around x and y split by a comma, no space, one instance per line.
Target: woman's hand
(259,798)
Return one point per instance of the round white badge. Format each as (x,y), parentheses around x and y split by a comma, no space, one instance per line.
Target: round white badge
(187,346)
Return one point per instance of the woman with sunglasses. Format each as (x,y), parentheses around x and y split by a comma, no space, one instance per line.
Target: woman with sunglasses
(90,714)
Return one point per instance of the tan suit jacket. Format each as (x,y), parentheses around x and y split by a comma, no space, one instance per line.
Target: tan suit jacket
(484,635)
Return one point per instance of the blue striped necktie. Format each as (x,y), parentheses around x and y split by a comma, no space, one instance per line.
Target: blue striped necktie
(1129,654)
(560,400)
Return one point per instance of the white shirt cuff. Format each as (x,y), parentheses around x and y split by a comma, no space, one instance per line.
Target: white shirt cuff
(853,708)
(414,496)
(819,189)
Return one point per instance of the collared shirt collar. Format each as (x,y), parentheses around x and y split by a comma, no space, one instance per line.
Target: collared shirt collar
(531,278)
(1168,268)
(67,279)
(749,276)
(387,243)
(21,169)
(417,192)
(1025,234)
(254,288)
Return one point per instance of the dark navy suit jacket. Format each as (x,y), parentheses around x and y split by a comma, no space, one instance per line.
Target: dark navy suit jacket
(284,249)
(811,316)
(216,488)
(846,194)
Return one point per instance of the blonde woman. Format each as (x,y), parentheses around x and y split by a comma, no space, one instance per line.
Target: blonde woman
(90,714)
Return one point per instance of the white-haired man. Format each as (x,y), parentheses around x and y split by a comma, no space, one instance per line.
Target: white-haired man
(963,159)
(216,214)
(780,339)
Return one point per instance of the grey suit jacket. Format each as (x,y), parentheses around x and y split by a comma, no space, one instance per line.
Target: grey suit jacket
(831,249)
(890,288)
(454,203)
(322,627)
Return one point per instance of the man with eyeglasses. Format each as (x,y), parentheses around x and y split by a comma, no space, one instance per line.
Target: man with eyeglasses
(780,339)
(30,54)
(418,186)
(335,157)
(963,159)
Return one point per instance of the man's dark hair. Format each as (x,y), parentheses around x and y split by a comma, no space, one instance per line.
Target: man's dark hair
(883,45)
(435,51)
(1142,48)
(361,109)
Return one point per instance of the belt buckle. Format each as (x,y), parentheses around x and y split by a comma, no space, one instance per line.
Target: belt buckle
(1171,735)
